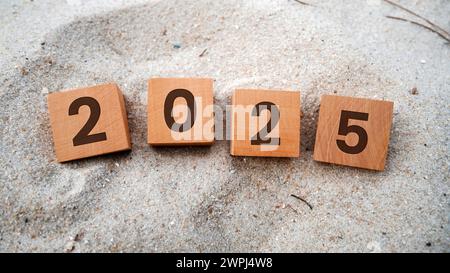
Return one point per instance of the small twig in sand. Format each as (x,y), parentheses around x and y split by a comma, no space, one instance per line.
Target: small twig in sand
(303,200)
(417,15)
(303,3)
(203,53)
(294,210)
(419,24)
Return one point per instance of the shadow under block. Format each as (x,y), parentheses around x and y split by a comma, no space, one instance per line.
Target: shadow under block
(256,131)
(353,132)
(180,111)
(88,122)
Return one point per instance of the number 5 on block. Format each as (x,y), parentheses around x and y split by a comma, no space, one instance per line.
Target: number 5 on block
(353,132)
(88,122)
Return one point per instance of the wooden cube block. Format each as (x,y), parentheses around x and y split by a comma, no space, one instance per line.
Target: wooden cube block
(180,112)
(265,123)
(88,122)
(353,132)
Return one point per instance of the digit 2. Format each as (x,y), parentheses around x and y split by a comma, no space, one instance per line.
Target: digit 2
(83,136)
(260,138)
(344,130)
(168,108)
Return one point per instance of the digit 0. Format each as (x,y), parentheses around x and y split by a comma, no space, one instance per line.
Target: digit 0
(344,130)
(168,108)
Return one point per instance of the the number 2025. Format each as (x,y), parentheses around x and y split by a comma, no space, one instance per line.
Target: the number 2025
(93,121)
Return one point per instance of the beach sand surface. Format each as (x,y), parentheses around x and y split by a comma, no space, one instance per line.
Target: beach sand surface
(201,199)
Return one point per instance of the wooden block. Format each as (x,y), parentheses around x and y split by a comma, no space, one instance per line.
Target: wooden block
(88,122)
(180,112)
(265,123)
(353,132)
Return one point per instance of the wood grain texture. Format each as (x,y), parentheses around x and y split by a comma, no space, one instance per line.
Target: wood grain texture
(202,131)
(377,128)
(112,121)
(246,125)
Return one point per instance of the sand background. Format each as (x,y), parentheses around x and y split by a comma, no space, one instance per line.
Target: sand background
(202,199)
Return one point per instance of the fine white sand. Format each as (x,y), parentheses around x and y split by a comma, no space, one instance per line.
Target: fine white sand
(202,199)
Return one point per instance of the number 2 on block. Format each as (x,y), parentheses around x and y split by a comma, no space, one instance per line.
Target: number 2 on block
(261,137)
(83,136)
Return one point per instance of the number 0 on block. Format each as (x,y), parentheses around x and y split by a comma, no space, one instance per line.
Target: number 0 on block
(88,122)
(180,111)
(353,132)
